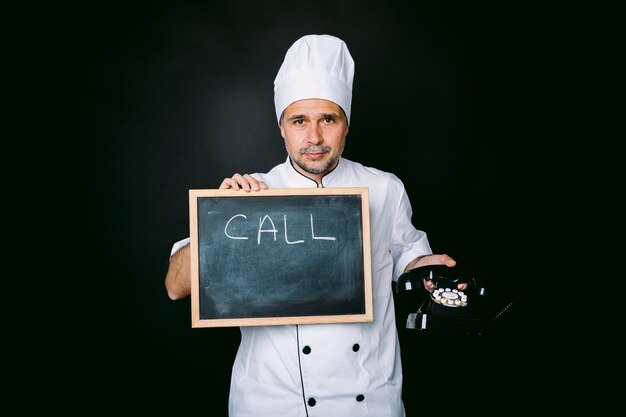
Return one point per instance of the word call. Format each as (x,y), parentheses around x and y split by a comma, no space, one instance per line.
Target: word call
(267,225)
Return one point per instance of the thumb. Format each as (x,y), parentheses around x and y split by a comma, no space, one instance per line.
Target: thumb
(440,259)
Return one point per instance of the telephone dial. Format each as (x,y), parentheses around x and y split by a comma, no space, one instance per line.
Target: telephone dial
(448,308)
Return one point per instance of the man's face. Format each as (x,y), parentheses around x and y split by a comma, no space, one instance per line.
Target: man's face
(315,135)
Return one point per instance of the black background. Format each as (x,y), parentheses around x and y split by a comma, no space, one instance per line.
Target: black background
(169,96)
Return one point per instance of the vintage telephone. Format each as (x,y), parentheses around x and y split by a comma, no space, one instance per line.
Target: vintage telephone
(448,309)
(441,275)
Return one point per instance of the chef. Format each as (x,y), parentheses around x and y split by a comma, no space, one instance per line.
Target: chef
(324,370)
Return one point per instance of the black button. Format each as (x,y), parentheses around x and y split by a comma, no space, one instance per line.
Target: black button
(360,397)
(356,347)
(306,350)
(311,402)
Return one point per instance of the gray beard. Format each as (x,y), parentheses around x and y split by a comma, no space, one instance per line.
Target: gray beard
(316,171)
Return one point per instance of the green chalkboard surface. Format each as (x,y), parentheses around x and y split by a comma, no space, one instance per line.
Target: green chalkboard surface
(280,256)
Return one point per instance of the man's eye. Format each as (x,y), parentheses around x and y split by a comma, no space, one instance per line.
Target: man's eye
(329,119)
(299,121)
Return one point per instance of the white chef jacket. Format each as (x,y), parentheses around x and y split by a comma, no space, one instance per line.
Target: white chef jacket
(342,369)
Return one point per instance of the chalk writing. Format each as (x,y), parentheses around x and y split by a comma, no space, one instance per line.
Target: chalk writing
(273,230)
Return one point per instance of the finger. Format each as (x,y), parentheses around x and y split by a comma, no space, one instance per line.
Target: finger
(253,183)
(242,181)
(442,259)
(236,182)
(229,184)
(447,260)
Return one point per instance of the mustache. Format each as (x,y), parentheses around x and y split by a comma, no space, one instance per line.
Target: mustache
(314,149)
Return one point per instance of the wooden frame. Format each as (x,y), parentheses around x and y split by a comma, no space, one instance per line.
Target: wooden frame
(317,279)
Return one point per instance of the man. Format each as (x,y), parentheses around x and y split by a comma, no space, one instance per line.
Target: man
(344,369)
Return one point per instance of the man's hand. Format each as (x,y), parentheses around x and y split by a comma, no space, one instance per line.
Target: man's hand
(442,259)
(242,182)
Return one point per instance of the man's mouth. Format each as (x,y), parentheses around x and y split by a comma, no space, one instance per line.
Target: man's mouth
(314,155)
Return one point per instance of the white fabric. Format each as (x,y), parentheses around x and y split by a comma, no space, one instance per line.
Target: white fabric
(272,377)
(178,245)
(315,66)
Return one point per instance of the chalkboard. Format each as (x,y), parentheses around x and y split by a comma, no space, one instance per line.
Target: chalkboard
(280,256)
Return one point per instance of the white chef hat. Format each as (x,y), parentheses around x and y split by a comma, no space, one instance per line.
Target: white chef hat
(315,66)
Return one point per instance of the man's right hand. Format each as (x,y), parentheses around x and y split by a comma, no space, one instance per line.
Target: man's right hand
(242,182)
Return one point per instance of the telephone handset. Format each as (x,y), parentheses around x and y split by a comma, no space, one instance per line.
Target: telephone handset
(445,280)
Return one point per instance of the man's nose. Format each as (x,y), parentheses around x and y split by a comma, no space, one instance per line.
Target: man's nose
(315,134)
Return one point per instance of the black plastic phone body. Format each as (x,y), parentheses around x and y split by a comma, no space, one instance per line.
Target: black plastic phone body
(469,318)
